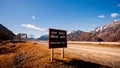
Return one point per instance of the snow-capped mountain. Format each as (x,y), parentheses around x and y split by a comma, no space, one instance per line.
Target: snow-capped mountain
(108,27)
(109,32)
(43,37)
(70,31)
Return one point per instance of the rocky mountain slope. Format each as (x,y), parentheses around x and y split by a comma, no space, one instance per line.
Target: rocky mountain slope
(82,36)
(109,32)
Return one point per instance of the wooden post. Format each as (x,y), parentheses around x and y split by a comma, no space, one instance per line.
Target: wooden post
(62,52)
(52,54)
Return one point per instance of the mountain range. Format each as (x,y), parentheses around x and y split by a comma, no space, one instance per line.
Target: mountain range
(109,33)
(44,37)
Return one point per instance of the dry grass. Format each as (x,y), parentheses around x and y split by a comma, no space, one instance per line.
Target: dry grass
(7,54)
(33,55)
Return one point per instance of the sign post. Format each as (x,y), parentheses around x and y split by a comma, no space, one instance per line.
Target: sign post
(62,52)
(52,54)
(57,39)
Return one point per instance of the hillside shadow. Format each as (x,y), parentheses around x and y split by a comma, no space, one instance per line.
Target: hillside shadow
(74,63)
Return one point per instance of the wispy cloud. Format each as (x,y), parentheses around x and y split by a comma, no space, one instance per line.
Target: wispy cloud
(116,20)
(33,17)
(94,25)
(32,27)
(114,15)
(33,36)
(101,16)
(118,5)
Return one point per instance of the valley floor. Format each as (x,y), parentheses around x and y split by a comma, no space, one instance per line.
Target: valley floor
(32,54)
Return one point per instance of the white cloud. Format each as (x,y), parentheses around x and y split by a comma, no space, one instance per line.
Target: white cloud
(118,5)
(101,16)
(33,17)
(32,27)
(94,25)
(116,20)
(114,14)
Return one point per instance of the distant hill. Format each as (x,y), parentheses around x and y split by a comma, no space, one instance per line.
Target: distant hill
(31,37)
(5,33)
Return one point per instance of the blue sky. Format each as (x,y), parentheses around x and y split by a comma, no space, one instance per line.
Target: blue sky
(37,16)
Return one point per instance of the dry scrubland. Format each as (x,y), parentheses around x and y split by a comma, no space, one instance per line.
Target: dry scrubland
(33,55)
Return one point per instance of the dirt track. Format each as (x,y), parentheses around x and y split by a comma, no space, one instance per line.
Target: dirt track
(96,49)
(102,55)
(109,56)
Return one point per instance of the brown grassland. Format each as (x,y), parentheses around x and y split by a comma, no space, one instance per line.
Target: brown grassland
(32,55)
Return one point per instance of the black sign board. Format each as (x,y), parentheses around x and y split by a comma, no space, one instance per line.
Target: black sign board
(57,38)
